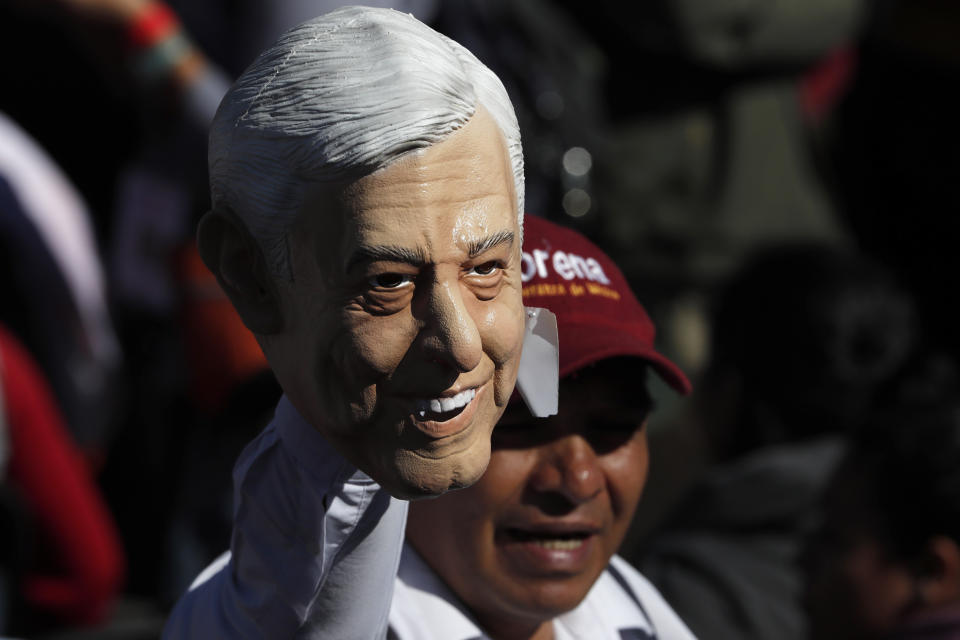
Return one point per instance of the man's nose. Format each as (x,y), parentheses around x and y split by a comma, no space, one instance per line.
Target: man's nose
(451,335)
(570,467)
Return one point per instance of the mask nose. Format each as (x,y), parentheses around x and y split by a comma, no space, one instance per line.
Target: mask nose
(451,336)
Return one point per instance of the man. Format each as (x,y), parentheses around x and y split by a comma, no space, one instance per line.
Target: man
(366,178)
(803,339)
(885,561)
(528,551)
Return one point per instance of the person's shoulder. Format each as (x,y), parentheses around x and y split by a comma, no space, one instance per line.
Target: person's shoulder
(665,620)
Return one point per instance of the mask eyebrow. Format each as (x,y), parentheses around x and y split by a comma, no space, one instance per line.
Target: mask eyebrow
(386,253)
(483,245)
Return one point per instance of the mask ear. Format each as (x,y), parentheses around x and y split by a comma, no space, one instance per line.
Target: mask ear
(234,257)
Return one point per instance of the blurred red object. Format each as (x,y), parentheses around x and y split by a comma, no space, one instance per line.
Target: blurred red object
(82,559)
(221,352)
(823,85)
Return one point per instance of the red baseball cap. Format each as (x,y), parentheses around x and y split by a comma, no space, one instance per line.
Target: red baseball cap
(598,316)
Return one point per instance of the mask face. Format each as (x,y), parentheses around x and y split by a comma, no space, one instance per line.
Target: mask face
(404,319)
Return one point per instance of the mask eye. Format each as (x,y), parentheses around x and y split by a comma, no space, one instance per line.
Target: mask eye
(390,280)
(486,269)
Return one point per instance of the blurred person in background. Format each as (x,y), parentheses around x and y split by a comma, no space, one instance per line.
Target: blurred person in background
(804,339)
(529,550)
(53,290)
(59,366)
(886,562)
(62,558)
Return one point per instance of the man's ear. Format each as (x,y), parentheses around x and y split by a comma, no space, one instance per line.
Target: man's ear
(938,579)
(234,257)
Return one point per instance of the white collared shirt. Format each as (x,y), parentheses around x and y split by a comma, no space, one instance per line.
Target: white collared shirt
(424,608)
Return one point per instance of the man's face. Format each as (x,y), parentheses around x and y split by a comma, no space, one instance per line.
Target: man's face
(404,321)
(529,539)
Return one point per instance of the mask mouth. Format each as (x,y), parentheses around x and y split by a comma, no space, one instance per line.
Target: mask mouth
(443,409)
(446,416)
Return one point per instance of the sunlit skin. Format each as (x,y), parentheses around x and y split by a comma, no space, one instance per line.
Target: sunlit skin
(407,287)
(572,480)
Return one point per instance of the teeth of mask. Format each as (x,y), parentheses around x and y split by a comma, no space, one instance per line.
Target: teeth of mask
(438,405)
(464,397)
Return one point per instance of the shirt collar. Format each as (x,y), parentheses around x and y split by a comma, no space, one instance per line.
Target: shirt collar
(430,593)
(609,602)
(606,601)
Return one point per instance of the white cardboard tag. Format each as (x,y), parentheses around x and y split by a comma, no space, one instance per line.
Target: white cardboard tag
(538,377)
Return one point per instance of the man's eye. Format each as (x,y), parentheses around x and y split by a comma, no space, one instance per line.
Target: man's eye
(486,269)
(390,280)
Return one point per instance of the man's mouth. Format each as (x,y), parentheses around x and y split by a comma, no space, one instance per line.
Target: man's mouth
(443,409)
(559,541)
(561,549)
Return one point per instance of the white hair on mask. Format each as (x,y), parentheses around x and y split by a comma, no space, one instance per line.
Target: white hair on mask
(337,98)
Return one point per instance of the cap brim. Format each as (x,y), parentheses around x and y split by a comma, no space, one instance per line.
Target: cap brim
(583,345)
